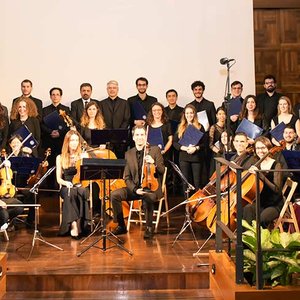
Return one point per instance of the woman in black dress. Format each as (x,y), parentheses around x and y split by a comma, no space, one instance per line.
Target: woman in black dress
(271,199)
(190,157)
(75,206)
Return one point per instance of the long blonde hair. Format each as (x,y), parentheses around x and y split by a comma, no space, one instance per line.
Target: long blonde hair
(183,122)
(99,119)
(289,102)
(30,106)
(65,151)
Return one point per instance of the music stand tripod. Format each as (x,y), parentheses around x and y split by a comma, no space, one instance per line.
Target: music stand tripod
(37,236)
(187,220)
(106,169)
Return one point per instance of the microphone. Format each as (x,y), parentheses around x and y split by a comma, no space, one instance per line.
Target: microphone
(225,60)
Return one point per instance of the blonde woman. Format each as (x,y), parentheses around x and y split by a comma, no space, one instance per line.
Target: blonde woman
(75,208)
(190,157)
(285,115)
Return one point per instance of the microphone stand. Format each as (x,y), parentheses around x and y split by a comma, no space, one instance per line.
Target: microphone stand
(187,220)
(37,236)
(227,128)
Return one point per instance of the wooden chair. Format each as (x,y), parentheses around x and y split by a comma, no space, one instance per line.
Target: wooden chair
(287,214)
(5,234)
(136,207)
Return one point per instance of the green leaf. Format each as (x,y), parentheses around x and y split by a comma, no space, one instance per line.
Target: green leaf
(248,226)
(265,239)
(249,255)
(278,271)
(250,242)
(275,237)
(288,260)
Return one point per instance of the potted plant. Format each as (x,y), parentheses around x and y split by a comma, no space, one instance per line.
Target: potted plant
(279,263)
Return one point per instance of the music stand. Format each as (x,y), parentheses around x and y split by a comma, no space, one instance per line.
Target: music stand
(109,136)
(187,220)
(94,169)
(37,236)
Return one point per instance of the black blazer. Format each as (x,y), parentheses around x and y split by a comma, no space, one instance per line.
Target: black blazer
(117,116)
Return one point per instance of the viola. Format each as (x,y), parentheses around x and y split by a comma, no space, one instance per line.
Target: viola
(7,189)
(149,178)
(248,190)
(42,169)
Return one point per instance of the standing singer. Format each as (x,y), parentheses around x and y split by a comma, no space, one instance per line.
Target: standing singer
(133,175)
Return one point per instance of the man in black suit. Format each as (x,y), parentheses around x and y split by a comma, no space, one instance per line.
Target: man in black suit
(53,138)
(202,104)
(116,112)
(77,106)
(26,88)
(143,99)
(268,101)
(132,176)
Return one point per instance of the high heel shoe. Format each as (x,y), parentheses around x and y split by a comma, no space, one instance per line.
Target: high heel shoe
(74,231)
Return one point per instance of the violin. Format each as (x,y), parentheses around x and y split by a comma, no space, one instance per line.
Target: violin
(42,169)
(149,181)
(248,190)
(7,189)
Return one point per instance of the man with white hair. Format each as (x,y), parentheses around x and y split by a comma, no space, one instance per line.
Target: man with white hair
(116,111)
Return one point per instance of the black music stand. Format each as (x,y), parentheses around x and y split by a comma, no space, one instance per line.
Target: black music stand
(93,169)
(37,236)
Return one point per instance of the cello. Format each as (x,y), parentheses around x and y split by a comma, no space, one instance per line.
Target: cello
(248,190)
(205,198)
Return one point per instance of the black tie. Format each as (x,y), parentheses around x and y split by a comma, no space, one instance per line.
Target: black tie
(85,103)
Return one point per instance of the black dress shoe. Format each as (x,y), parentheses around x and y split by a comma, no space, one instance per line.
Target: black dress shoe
(148,233)
(119,230)
(76,237)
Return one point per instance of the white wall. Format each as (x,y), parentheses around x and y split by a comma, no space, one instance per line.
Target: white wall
(171,42)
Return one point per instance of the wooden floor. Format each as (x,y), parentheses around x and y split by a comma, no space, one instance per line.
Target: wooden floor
(156,270)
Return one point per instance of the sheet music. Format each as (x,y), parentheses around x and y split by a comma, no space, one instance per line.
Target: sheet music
(203,119)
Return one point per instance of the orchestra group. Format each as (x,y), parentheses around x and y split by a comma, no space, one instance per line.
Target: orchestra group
(190,136)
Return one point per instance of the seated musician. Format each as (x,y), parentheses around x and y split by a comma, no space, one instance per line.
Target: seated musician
(7,191)
(242,157)
(75,206)
(271,199)
(290,138)
(132,175)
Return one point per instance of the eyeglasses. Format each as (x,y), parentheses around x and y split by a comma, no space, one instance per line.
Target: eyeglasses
(261,148)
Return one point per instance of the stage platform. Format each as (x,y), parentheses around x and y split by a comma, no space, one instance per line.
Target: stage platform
(156,270)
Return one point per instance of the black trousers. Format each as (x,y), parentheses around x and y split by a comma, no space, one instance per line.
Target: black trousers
(10,212)
(123,194)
